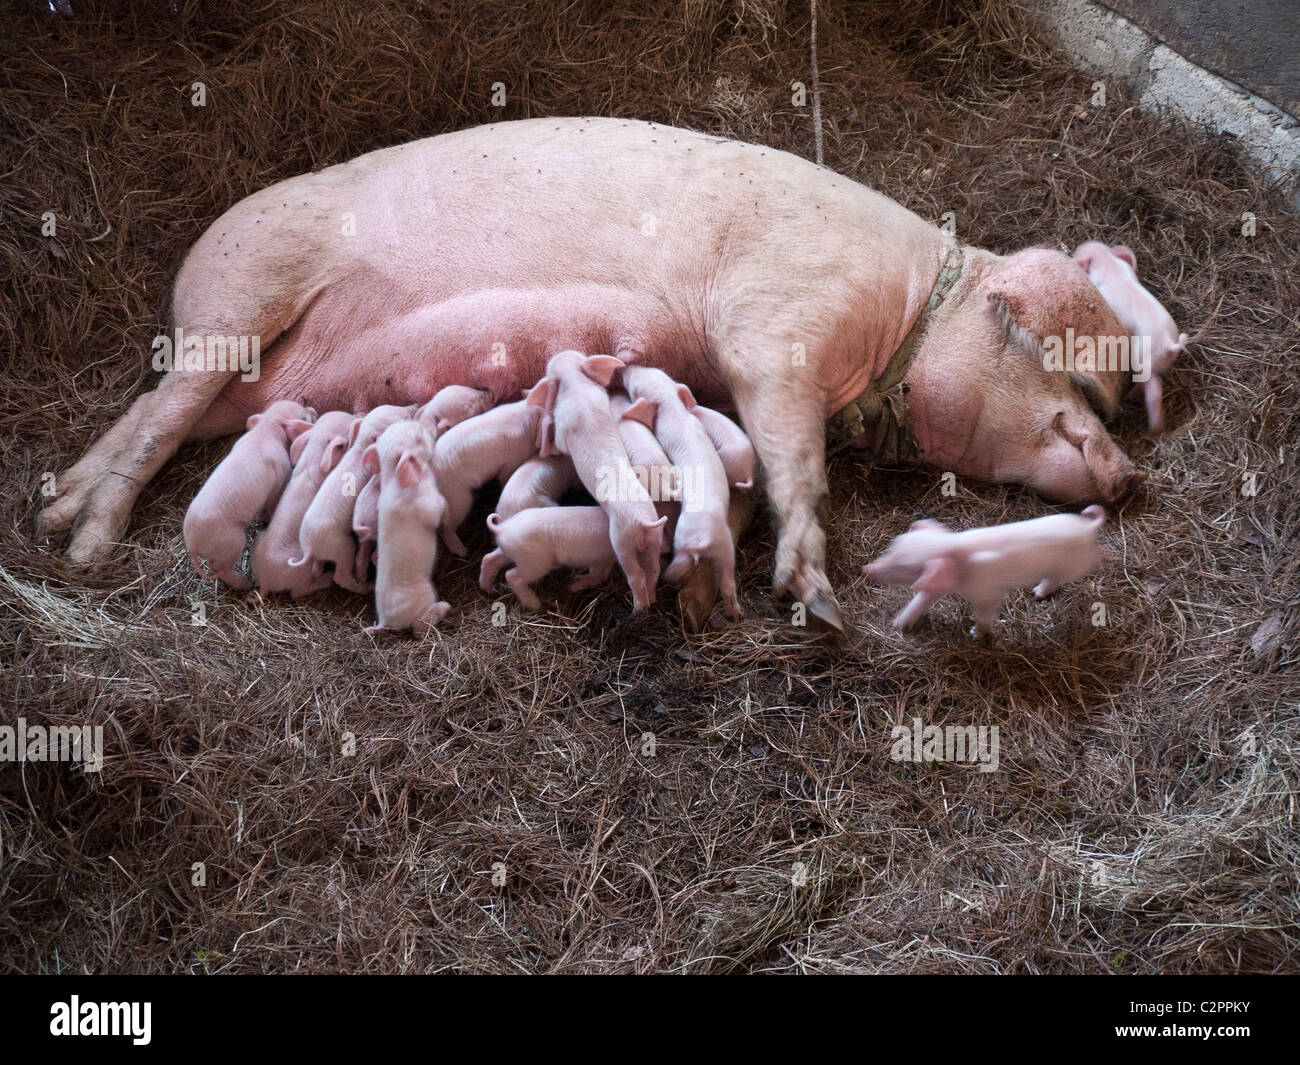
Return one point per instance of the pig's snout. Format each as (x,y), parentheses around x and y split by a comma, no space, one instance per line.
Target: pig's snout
(1125,485)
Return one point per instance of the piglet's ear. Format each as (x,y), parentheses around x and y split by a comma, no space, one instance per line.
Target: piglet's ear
(409,470)
(311,413)
(370,459)
(333,452)
(355,430)
(252,421)
(643,411)
(298,446)
(543,394)
(296,428)
(930,524)
(939,577)
(684,394)
(1121,251)
(602,368)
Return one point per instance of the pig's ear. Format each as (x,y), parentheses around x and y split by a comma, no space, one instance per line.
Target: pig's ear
(602,368)
(370,459)
(684,394)
(939,577)
(355,429)
(332,453)
(409,470)
(252,421)
(298,446)
(1121,251)
(311,413)
(297,428)
(931,525)
(643,411)
(542,394)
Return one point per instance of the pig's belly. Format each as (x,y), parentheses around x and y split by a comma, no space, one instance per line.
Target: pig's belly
(353,353)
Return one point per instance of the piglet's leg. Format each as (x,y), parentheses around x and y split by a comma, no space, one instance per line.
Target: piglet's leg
(1045,588)
(526,595)
(492,564)
(986,616)
(911,614)
(593,578)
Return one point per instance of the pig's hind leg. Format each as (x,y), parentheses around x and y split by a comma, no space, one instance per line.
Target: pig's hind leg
(493,562)
(520,583)
(593,578)
(1047,586)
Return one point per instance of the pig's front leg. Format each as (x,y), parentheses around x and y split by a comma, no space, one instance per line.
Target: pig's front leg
(986,616)
(911,614)
(784,414)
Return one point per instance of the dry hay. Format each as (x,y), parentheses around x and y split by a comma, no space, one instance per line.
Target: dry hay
(1129,828)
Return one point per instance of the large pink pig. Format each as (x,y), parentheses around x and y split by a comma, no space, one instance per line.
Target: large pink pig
(451,406)
(491,445)
(326,534)
(702,530)
(316,454)
(410,511)
(767,284)
(577,398)
(983,565)
(246,485)
(1114,271)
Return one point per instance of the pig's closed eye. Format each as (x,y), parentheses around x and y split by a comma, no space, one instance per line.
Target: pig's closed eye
(1091,393)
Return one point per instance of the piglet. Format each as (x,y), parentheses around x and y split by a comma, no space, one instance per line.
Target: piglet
(649,463)
(316,453)
(452,405)
(575,394)
(541,539)
(702,530)
(365,526)
(326,534)
(1114,271)
(493,444)
(982,565)
(410,511)
(729,440)
(246,485)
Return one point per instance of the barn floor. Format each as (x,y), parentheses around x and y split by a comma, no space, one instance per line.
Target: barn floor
(504,809)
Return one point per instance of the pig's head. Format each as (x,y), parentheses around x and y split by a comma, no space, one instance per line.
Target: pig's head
(453,405)
(291,419)
(907,556)
(985,400)
(403,454)
(326,442)
(366,430)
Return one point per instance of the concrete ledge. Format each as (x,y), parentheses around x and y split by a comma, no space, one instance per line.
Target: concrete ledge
(1109,44)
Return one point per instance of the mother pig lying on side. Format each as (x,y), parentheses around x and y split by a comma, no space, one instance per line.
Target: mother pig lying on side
(766,284)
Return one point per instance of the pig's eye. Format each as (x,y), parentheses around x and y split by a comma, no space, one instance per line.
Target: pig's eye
(1091,393)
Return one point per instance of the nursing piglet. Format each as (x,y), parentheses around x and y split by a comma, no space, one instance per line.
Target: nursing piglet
(452,405)
(983,565)
(246,485)
(541,539)
(316,453)
(729,441)
(575,393)
(649,463)
(326,534)
(410,511)
(702,530)
(1113,270)
(493,444)
(365,526)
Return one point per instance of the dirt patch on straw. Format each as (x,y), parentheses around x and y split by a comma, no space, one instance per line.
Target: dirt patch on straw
(1143,815)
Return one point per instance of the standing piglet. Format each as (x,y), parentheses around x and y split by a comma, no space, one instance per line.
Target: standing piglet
(493,444)
(365,526)
(246,485)
(729,440)
(410,511)
(541,539)
(316,453)
(1114,271)
(326,534)
(451,406)
(649,463)
(983,565)
(702,530)
(576,396)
